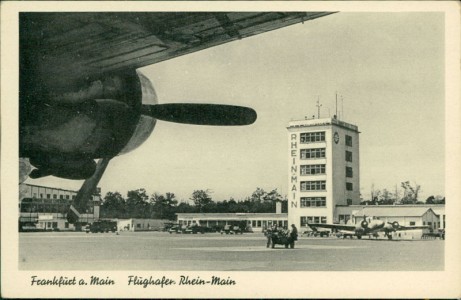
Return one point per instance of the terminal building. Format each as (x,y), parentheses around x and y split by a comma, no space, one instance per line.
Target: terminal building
(45,208)
(323,169)
(254,222)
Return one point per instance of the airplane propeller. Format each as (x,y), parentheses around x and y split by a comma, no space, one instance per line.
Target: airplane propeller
(394,224)
(364,222)
(201,114)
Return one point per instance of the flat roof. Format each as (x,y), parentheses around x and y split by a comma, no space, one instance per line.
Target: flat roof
(322,122)
(230,215)
(393,211)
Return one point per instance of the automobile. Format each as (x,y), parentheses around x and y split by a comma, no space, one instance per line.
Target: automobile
(231,229)
(167,226)
(175,228)
(279,238)
(323,233)
(194,229)
(344,235)
(103,226)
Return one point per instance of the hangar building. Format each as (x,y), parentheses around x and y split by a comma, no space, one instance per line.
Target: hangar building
(45,208)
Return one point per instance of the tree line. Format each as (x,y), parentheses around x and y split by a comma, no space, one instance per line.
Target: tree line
(410,196)
(138,204)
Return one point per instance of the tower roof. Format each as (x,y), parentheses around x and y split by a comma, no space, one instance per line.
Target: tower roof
(322,122)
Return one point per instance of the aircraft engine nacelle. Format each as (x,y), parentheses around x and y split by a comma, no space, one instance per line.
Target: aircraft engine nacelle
(364,224)
(395,225)
(63,136)
(77,169)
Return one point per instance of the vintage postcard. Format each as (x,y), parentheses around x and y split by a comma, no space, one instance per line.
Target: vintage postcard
(230,149)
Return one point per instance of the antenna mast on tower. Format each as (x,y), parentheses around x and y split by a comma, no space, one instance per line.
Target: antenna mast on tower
(318,107)
(342,107)
(336,114)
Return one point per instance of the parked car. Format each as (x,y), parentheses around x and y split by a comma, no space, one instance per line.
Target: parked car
(282,239)
(194,229)
(229,229)
(175,228)
(103,226)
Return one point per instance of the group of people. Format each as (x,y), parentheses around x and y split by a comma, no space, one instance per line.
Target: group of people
(282,232)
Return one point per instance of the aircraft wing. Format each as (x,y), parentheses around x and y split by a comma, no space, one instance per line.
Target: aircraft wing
(403,228)
(66,46)
(332,226)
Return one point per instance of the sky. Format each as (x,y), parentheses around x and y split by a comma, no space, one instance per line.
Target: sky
(388,69)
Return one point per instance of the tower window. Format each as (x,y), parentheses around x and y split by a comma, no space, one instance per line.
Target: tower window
(312,153)
(348,140)
(313,201)
(318,185)
(312,169)
(348,156)
(312,137)
(349,172)
(349,186)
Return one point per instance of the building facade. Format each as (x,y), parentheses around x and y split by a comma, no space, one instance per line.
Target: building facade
(45,208)
(323,169)
(255,222)
(431,215)
(141,224)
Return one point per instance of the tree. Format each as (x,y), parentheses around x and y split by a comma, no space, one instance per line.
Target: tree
(386,198)
(410,195)
(137,205)
(201,199)
(185,208)
(258,195)
(163,206)
(374,195)
(113,206)
(273,196)
(430,200)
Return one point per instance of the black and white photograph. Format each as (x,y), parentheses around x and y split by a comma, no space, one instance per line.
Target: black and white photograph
(230,149)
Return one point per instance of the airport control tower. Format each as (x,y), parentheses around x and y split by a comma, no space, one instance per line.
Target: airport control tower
(323,169)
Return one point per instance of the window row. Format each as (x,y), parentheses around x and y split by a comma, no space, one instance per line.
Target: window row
(312,169)
(313,202)
(317,185)
(315,220)
(48,196)
(343,219)
(312,137)
(49,208)
(312,153)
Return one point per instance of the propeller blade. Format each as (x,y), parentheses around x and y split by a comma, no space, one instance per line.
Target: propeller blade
(201,114)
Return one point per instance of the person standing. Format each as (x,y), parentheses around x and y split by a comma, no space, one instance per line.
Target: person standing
(268,234)
(293,235)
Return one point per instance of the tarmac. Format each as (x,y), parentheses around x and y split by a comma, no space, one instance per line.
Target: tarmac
(213,252)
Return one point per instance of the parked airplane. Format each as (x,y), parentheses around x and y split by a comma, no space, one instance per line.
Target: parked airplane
(370,227)
(82,98)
